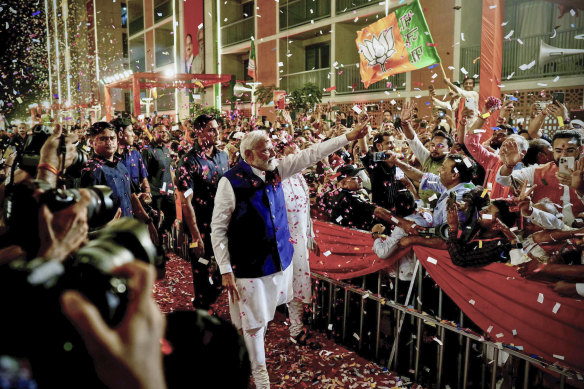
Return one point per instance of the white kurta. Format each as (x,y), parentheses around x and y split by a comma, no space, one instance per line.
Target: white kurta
(260,296)
(300,226)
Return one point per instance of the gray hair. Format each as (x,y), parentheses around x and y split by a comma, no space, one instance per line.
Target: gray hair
(522,143)
(250,141)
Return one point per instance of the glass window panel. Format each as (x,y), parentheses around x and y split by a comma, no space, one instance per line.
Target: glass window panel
(137,54)
(164,45)
(162,10)
(136,16)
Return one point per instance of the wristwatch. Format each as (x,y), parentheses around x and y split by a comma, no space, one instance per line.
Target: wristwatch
(517,245)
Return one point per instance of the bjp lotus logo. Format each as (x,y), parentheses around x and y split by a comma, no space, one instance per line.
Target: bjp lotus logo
(379,49)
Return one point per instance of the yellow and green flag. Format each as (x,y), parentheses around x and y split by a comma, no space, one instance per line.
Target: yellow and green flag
(398,43)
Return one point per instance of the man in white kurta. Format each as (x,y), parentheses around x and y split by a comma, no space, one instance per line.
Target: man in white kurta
(253,301)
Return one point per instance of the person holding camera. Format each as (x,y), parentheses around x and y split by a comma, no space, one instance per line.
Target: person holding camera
(454,177)
(49,282)
(106,168)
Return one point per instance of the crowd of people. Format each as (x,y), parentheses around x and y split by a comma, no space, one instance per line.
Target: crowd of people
(246,192)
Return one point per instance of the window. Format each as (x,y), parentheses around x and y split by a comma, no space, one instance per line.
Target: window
(164,45)
(137,54)
(162,10)
(247,10)
(135,11)
(125,44)
(124,15)
(317,56)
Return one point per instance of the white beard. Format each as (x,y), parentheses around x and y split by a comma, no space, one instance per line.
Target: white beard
(269,166)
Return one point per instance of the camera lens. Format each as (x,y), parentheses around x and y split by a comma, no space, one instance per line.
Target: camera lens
(101,208)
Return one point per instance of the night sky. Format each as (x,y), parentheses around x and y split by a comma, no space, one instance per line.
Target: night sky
(23,63)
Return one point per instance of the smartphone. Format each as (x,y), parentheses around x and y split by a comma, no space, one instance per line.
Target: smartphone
(379,156)
(344,122)
(566,165)
(558,98)
(323,117)
(469,103)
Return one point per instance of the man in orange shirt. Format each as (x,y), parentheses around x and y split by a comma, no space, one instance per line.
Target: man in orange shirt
(565,190)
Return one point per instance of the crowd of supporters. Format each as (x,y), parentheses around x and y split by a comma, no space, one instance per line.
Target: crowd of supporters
(438,181)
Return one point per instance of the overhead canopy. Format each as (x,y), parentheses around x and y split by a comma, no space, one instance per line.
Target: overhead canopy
(147,80)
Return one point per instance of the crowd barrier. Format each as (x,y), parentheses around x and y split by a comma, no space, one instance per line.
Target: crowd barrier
(447,326)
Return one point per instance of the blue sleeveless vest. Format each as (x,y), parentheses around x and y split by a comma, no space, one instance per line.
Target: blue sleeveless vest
(258,235)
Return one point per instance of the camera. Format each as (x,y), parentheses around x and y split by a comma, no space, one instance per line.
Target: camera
(440,231)
(38,331)
(32,150)
(22,208)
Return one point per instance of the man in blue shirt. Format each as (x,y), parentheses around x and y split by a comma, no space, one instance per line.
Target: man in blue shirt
(131,157)
(105,167)
(454,176)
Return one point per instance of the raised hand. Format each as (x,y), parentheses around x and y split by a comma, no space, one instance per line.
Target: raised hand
(524,199)
(407,111)
(359,131)
(510,155)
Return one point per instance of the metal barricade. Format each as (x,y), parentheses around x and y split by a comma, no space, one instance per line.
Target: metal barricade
(462,356)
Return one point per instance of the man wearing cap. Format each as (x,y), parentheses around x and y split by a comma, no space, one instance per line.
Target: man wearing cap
(346,205)
(251,238)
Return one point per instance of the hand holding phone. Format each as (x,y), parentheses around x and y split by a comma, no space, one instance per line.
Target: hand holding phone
(566,165)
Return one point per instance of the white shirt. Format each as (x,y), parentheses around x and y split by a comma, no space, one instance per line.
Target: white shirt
(384,248)
(419,150)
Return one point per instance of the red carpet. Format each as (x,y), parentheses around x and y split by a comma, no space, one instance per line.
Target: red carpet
(289,365)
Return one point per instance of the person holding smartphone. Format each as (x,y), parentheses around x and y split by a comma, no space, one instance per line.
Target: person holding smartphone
(560,180)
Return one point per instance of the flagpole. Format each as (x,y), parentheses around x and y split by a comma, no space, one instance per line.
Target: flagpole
(443,72)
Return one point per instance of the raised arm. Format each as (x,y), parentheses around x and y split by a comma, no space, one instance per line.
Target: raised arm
(295,163)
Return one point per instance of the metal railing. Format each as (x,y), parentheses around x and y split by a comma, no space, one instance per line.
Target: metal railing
(349,5)
(298,12)
(320,77)
(349,80)
(355,316)
(239,31)
(516,54)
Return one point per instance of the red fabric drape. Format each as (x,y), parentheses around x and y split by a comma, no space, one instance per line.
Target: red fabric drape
(495,297)
(351,252)
(491,56)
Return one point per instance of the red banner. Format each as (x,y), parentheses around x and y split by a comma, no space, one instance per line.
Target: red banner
(491,56)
